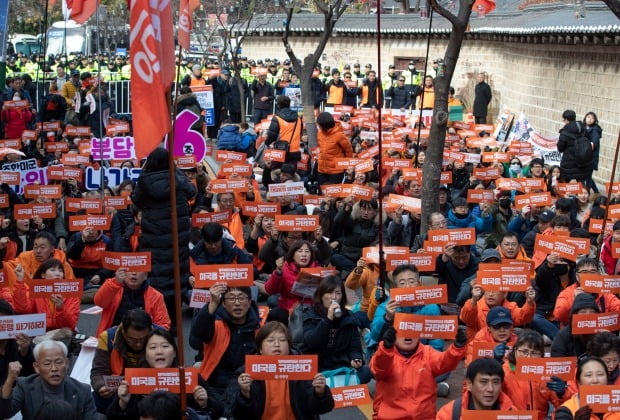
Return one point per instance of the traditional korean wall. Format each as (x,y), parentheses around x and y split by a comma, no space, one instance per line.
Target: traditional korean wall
(540,80)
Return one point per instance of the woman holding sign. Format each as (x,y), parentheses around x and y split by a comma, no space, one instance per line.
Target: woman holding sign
(283,279)
(279,399)
(590,371)
(160,353)
(531,395)
(61,312)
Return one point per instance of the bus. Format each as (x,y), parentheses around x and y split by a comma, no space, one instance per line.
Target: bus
(69,37)
(23,43)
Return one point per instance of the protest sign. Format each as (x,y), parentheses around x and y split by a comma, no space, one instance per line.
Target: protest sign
(28,211)
(32,325)
(296,223)
(461,236)
(97,222)
(423,326)
(420,295)
(600,398)
(593,323)
(302,367)
(350,396)
(45,288)
(286,189)
(541,369)
(146,380)
(135,261)
(201,219)
(235,275)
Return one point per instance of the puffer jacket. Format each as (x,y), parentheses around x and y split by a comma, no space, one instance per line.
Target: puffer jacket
(566,145)
(406,386)
(358,233)
(283,284)
(229,138)
(482,224)
(152,196)
(332,144)
(336,342)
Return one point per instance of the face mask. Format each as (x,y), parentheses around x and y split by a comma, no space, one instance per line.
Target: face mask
(504,203)
(515,168)
(410,67)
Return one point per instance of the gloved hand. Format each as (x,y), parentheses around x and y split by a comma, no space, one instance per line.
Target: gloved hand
(389,337)
(584,413)
(499,351)
(557,385)
(461,337)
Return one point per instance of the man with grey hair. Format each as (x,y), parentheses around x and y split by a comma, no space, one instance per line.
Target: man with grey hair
(50,382)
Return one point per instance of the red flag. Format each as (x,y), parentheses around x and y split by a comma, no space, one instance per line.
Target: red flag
(483,7)
(80,10)
(152,71)
(186,23)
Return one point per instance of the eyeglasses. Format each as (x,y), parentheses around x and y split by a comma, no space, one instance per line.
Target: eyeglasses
(238,298)
(401,80)
(529,353)
(439,224)
(135,340)
(347,77)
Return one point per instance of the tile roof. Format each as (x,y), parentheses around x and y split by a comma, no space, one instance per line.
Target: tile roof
(507,19)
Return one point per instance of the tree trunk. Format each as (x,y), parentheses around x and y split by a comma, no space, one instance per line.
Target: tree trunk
(434,152)
(308,112)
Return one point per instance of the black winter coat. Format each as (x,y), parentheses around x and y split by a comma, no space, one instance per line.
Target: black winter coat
(565,344)
(401,97)
(304,402)
(482,99)
(336,342)
(566,145)
(357,234)
(152,196)
(548,286)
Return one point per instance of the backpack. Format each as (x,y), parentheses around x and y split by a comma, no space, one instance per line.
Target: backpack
(583,149)
(296,324)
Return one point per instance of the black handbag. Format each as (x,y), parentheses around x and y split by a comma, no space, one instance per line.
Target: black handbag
(284,145)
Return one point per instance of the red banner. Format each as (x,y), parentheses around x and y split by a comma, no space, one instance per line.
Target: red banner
(152,71)
(73,205)
(225,155)
(186,10)
(303,367)
(424,261)
(218,186)
(251,208)
(558,244)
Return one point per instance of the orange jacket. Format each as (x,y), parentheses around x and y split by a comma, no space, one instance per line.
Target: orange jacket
(573,405)
(67,317)
(406,386)
(521,255)
(530,395)
(427,101)
(475,316)
(367,281)
(378,94)
(91,255)
(235,227)
(564,302)
(109,298)
(332,144)
(30,265)
(214,350)
(445,413)
(484,335)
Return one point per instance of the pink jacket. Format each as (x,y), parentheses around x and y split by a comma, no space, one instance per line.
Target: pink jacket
(283,284)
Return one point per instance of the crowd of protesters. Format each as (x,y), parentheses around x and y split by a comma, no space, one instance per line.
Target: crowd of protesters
(346,318)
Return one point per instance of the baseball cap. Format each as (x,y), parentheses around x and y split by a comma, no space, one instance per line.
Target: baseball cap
(546,216)
(411,63)
(75,72)
(391,66)
(499,315)
(226,72)
(487,254)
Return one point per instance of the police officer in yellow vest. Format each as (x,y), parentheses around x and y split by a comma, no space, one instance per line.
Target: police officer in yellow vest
(286,127)
(411,75)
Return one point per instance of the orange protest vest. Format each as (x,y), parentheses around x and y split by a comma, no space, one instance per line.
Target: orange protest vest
(290,132)
(197,82)
(573,406)
(214,350)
